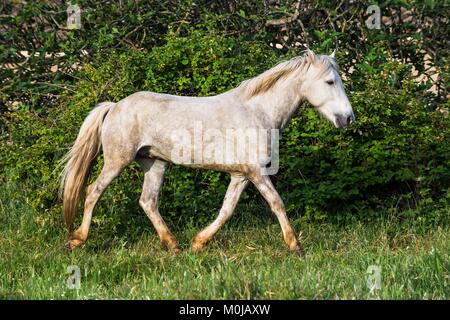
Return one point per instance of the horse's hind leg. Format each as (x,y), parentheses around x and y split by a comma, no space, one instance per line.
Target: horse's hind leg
(234,191)
(153,177)
(110,170)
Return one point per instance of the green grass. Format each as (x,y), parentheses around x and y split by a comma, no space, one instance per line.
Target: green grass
(246,260)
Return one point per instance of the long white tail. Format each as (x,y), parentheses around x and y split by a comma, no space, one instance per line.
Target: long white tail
(79,159)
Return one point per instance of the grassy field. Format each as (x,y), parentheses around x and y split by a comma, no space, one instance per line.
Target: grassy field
(247,260)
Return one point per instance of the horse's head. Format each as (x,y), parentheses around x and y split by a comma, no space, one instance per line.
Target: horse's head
(322,87)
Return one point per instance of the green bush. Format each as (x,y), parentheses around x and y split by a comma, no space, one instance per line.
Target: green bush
(394,157)
(393,160)
(201,63)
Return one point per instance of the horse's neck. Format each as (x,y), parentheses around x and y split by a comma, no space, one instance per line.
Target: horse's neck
(278,106)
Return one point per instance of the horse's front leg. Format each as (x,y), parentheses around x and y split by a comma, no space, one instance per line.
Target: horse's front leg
(153,179)
(235,188)
(268,191)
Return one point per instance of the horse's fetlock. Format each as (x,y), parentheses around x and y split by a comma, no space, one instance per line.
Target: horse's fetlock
(169,242)
(198,244)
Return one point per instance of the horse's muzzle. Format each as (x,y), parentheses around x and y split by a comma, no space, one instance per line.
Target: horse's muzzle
(343,120)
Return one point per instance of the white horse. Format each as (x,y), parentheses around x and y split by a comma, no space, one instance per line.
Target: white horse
(141,127)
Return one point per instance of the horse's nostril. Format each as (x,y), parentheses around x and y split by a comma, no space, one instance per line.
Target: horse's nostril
(344,120)
(349,120)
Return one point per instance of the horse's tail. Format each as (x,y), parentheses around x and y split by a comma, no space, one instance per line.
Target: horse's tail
(79,159)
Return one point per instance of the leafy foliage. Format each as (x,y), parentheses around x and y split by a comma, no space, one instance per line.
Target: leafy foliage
(394,160)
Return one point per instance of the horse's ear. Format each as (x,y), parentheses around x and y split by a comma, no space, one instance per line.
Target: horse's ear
(333,54)
(310,55)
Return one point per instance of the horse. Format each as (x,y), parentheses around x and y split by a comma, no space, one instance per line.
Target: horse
(141,128)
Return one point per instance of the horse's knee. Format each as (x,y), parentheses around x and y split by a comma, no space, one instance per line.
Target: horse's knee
(277,206)
(148,204)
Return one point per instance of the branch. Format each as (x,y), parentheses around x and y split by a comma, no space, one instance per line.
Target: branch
(285,20)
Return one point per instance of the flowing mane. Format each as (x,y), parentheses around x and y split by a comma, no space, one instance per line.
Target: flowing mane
(266,80)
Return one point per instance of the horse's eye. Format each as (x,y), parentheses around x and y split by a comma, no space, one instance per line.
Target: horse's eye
(330,82)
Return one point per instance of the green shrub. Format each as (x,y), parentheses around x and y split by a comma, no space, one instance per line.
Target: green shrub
(394,159)
(395,156)
(201,64)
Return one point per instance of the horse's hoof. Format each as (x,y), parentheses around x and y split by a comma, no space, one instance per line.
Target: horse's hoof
(175,249)
(197,247)
(299,251)
(170,245)
(72,244)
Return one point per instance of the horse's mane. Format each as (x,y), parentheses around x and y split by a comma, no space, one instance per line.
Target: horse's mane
(266,80)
